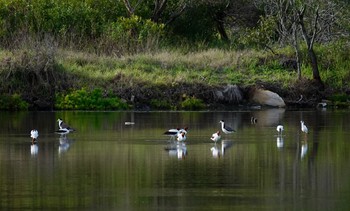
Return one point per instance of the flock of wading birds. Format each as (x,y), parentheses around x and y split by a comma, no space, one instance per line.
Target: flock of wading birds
(178,134)
(175,134)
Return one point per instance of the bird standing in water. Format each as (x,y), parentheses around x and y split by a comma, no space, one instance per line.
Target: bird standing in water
(280,129)
(63,127)
(226,129)
(181,136)
(34,135)
(216,137)
(303,127)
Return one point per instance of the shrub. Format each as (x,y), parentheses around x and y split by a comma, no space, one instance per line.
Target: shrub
(12,102)
(85,100)
(192,103)
(160,104)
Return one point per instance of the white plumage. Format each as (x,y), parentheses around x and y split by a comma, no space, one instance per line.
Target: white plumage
(303,127)
(280,129)
(34,134)
(181,136)
(216,136)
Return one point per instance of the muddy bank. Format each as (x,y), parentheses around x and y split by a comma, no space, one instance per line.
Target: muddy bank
(169,97)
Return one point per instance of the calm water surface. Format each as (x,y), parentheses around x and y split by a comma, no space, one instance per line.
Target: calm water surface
(108,165)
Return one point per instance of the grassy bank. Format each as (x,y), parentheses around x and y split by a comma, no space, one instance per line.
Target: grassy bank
(167,79)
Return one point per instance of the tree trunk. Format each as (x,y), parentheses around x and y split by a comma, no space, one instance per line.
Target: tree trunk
(297,50)
(220,25)
(310,43)
(314,65)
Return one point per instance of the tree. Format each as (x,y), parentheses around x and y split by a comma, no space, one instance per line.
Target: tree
(310,20)
(159,8)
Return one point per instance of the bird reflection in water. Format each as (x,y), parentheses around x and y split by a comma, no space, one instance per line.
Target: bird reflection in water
(64,144)
(34,149)
(34,134)
(177,149)
(279,142)
(218,150)
(303,149)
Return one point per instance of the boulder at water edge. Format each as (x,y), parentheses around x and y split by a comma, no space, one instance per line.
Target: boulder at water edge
(266,97)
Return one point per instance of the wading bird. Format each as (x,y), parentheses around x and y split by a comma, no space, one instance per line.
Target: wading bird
(181,136)
(63,127)
(216,136)
(34,135)
(226,129)
(280,129)
(303,127)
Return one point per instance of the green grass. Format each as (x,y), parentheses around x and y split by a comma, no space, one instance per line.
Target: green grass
(168,69)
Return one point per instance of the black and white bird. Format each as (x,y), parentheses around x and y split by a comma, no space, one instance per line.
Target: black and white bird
(216,136)
(34,134)
(63,127)
(253,120)
(181,136)
(280,129)
(303,127)
(226,129)
(173,133)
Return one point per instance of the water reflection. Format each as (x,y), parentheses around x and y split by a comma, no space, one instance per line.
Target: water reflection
(177,149)
(268,117)
(279,141)
(218,150)
(64,143)
(112,167)
(34,149)
(303,149)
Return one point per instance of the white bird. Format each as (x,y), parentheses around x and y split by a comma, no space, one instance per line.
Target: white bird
(216,136)
(303,127)
(181,136)
(226,129)
(34,135)
(280,129)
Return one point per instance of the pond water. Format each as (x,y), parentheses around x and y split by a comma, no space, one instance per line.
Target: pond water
(109,165)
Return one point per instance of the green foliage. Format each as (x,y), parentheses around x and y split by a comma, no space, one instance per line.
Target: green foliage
(340,98)
(192,104)
(85,100)
(160,104)
(134,34)
(261,36)
(12,102)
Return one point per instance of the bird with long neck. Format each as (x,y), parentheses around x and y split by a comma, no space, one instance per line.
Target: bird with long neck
(226,129)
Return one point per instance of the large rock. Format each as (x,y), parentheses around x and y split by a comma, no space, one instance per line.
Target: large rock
(266,97)
(230,93)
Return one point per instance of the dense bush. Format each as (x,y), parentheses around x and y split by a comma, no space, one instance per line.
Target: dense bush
(192,104)
(12,102)
(89,100)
